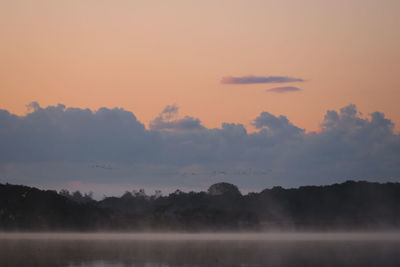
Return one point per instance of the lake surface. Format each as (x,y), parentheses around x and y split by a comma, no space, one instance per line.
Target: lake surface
(256,249)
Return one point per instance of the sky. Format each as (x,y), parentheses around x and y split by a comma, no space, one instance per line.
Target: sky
(185,75)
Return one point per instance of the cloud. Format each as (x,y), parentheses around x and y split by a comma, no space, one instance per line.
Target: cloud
(60,133)
(276,125)
(259,79)
(57,144)
(284,89)
(167,121)
(169,112)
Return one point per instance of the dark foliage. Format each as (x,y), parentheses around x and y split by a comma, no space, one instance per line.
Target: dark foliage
(27,208)
(346,206)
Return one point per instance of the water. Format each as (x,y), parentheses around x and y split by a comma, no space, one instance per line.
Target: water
(271,249)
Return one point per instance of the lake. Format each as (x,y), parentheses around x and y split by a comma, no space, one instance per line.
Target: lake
(206,249)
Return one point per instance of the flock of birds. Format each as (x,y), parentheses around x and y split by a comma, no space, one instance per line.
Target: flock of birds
(215,173)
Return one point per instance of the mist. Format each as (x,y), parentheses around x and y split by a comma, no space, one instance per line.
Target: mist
(203,249)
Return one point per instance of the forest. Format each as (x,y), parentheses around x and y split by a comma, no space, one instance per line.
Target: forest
(352,205)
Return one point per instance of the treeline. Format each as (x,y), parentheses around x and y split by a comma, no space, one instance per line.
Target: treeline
(347,206)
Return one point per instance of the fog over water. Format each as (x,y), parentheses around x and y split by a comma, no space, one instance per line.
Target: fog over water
(200,249)
(269,236)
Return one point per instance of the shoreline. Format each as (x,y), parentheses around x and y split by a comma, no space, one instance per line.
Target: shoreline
(207,236)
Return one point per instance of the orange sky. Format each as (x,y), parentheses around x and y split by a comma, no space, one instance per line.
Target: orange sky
(144,55)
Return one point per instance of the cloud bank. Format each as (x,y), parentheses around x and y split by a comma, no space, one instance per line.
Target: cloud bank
(259,79)
(284,89)
(56,145)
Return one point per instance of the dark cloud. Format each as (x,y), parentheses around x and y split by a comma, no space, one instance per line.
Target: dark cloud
(167,120)
(57,144)
(60,133)
(276,125)
(259,79)
(284,89)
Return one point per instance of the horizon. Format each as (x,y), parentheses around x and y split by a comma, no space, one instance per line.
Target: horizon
(97,197)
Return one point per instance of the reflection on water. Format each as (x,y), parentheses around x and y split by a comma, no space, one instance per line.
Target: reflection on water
(200,250)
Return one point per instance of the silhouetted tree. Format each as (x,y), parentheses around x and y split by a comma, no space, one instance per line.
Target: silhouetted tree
(223,188)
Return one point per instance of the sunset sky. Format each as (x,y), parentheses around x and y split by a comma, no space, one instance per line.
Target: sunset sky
(213,61)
